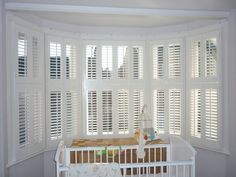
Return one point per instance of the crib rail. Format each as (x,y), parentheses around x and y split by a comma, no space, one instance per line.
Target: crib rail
(159,160)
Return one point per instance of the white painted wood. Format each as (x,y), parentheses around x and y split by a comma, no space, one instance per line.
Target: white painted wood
(112,10)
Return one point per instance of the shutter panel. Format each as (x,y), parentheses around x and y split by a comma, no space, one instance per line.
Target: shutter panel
(137,56)
(92,122)
(35,55)
(22,55)
(210,57)
(107,112)
(123,61)
(23,113)
(158,62)
(55,60)
(196,59)
(175,111)
(55,115)
(174,60)
(91,59)
(38,122)
(71,113)
(71,62)
(159,110)
(123,111)
(137,106)
(196,114)
(106,62)
(211,111)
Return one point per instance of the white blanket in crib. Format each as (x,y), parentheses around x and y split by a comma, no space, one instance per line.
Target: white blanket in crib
(95,170)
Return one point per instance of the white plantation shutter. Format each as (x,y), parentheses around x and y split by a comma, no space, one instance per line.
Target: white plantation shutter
(63,90)
(55,115)
(71,62)
(22,55)
(196,59)
(91,61)
(23,115)
(158,62)
(55,60)
(175,111)
(123,61)
(138,102)
(159,114)
(174,60)
(210,57)
(92,122)
(196,113)
(123,111)
(137,56)
(204,102)
(35,56)
(211,111)
(107,112)
(107,62)
(71,113)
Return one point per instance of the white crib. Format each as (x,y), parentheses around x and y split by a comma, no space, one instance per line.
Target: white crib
(174,159)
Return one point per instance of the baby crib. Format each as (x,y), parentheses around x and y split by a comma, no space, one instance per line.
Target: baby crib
(173,159)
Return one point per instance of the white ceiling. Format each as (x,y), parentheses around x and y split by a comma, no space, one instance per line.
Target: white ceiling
(124,20)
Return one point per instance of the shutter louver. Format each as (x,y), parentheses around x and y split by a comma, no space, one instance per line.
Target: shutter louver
(123,111)
(123,62)
(71,62)
(196,114)
(159,110)
(71,113)
(137,106)
(55,60)
(37,117)
(196,59)
(35,55)
(106,62)
(91,59)
(55,115)
(211,111)
(22,55)
(211,57)
(137,55)
(92,122)
(174,60)
(175,111)
(158,62)
(23,112)
(107,112)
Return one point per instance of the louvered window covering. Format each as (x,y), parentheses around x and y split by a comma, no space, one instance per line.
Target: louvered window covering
(174,60)
(55,60)
(92,113)
(107,112)
(62,90)
(138,102)
(107,58)
(123,111)
(204,102)
(158,62)
(91,61)
(22,55)
(123,60)
(112,107)
(137,56)
(26,98)
(159,114)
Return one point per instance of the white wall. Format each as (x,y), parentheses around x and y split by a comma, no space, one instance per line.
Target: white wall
(231,162)
(2,88)
(32,167)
